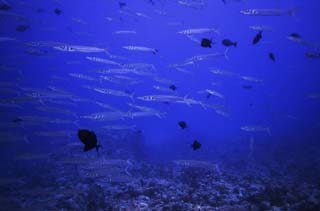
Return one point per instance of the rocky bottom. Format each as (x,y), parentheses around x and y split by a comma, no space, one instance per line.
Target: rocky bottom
(102,184)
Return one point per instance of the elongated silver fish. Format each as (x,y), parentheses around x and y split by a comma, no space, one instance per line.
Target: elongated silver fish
(102,60)
(256,128)
(113,92)
(140,48)
(80,48)
(125,32)
(198,31)
(82,76)
(105,116)
(268,12)
(215,93)
(252,79)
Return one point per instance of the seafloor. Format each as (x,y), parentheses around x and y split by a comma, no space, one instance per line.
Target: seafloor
(88,183)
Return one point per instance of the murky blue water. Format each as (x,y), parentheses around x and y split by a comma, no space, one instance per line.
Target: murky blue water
(129,72)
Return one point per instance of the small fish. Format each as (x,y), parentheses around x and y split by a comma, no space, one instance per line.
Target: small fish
(256,128)
(206,43)
(295,35)
(141,48)
(261,28)
(214,93)
(198,31)
(252,79)
(125,32)
(119,127)
(5,7)
(89,139)
(183,124)
(248,87)
(173,87)
(80,48)
(122,4)
(17,120)
(101,60)
(272,57)
(228,43)
(196,145)
(312,54)
(257,38)
(268,12)
(36,52)
(22,28)
(57,11)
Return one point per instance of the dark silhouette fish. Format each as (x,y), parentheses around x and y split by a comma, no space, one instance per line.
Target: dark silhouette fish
(173,87)
(182,124)
(312,54)
(228,43)
(89,139)
(22,28)
(295,35)
(5,7)
(196,145)
(206,43)
(122,4)
(57,11)
(257,38)
(248,87)
(272,57)
(17,120)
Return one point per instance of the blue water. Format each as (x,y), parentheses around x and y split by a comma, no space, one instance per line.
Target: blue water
(283,101)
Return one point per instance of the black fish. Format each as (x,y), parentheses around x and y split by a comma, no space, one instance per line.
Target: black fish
(5,7)
(22,28)
(312,54)
(257,38)
(271,56)
(208,96)
(122,4)
(89,139)
(57,11)
(172,87)
(295,35)
(206,43)
(248,87)
(196,145)
(17,120)
(183,124)
(228,43)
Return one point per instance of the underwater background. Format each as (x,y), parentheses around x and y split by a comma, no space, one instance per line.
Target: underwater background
(159,105)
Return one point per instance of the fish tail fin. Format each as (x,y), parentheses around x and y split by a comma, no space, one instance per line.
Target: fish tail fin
(155,51)
(235,44)
(226,54)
